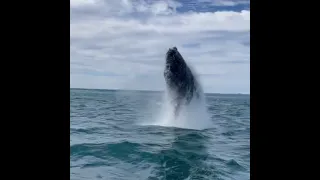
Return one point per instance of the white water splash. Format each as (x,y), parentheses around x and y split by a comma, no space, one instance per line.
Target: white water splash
(191,116)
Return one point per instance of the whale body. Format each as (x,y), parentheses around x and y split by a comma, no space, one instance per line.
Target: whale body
(181,83)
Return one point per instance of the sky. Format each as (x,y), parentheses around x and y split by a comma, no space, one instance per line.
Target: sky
(121,44)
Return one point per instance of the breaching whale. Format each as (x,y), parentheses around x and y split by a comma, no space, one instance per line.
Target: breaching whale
(180,81)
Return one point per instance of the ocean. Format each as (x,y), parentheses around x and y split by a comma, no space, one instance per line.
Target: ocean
(110,139)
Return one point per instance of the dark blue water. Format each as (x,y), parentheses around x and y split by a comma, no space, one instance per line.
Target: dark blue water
(107,143)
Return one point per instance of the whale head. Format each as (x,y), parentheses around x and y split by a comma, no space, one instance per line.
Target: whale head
(174,60)
(175,69)
(173,55)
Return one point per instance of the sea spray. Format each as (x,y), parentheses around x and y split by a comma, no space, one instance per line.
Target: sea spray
(191,116)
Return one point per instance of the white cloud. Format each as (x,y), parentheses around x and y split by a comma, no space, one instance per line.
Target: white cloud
(127,41)
(79,3)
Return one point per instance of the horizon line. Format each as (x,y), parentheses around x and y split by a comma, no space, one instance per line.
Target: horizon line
(155,91)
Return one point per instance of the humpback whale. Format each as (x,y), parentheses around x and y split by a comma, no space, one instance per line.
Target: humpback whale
(180,81)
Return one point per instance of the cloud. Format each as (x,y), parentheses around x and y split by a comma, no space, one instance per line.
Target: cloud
(225,2)
(121,44)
